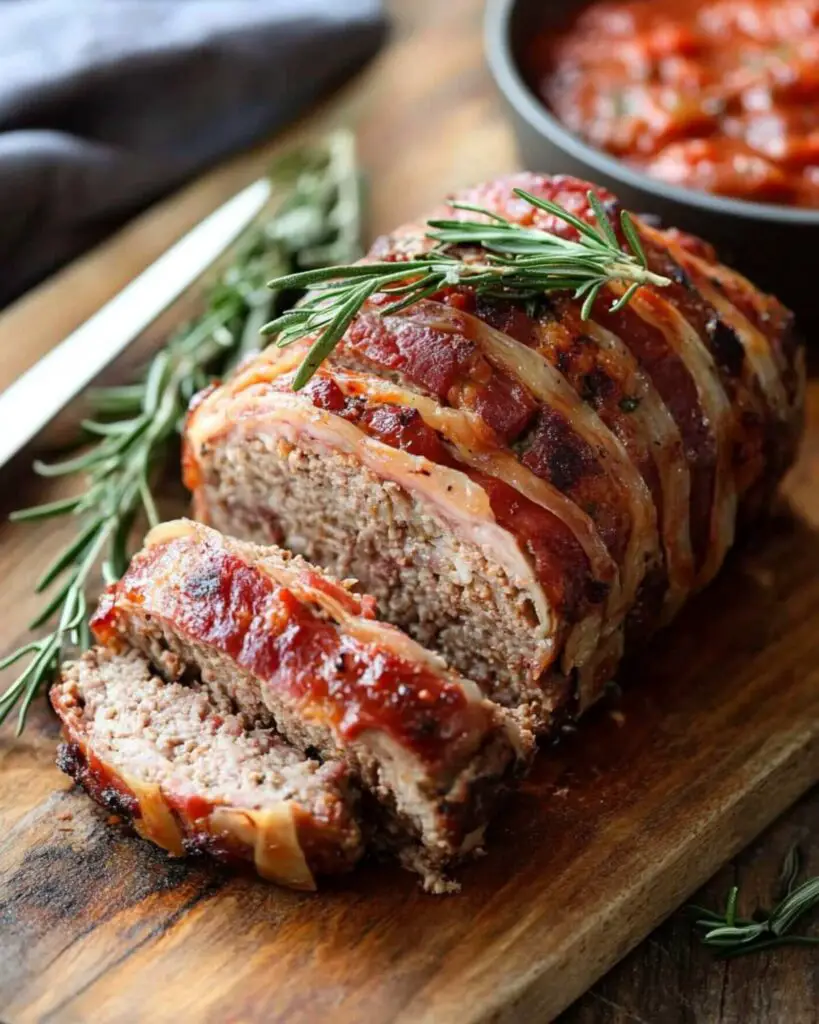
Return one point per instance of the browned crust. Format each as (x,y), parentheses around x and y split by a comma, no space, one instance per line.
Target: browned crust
(423,740)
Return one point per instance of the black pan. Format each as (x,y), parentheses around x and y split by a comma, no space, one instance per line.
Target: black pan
(776,246)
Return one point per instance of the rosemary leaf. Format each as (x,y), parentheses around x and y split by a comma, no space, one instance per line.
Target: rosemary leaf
(15,656)
(135,425)
(797,903)
(67,555)
(582,228)
(603,221)
(119,399)
(332,334)
(114,429)
(409,300)
(625,298)
(494,256)
(791,867)
(470,208)
(70,466)
(585,311)
(729,935)
(633,238)
(148,503)
(56,602)
(154,381)
(731,908)
(46,511)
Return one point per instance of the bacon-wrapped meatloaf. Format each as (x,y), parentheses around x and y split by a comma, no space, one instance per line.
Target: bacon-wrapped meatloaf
(303,700)
(522,490)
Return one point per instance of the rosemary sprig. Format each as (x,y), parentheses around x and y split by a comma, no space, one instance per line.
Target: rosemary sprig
(493,256)
(318,222)
(730,935)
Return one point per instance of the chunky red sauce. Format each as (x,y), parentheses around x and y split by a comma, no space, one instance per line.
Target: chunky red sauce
(217,599)
(716,95)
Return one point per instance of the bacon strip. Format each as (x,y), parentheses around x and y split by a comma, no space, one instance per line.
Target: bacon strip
(550,387)
(688,345)
(712,280)
(653,420)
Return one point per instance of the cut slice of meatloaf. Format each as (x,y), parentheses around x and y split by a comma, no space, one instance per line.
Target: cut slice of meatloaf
(193,775)
(297,650)
(523,490)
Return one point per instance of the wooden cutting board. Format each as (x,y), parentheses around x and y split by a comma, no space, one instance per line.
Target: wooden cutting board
(716,733)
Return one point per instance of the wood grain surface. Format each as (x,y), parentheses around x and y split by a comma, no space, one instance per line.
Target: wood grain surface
(717,732)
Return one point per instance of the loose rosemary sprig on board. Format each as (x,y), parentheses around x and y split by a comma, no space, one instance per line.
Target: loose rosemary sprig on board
(730,935)
(494,256)
(317,222)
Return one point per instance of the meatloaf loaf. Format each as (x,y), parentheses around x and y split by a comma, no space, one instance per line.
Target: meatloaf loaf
(192,774)
(520,489)
(287,648)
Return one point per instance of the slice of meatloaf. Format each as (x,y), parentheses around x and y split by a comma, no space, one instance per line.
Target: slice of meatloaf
(193,775)
(296,650)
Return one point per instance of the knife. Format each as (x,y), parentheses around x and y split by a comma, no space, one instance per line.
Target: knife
(41,392)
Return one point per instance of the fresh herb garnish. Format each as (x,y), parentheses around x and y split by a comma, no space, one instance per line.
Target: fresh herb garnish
(730,935)
(495,257)
(317,222)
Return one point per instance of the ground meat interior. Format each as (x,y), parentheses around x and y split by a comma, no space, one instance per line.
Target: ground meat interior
(187,739)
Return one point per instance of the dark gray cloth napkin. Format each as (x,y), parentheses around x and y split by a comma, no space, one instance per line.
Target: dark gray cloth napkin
(107,104)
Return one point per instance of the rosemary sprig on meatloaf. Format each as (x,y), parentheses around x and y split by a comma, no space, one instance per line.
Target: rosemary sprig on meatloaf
(318,222)
(495,257)
(729,935)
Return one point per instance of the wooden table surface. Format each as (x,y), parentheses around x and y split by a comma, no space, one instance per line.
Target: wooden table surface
(428,121)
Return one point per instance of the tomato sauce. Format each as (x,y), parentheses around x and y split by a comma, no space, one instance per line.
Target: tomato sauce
(716,95)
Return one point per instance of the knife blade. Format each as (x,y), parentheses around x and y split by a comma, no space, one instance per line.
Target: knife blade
(46,388)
